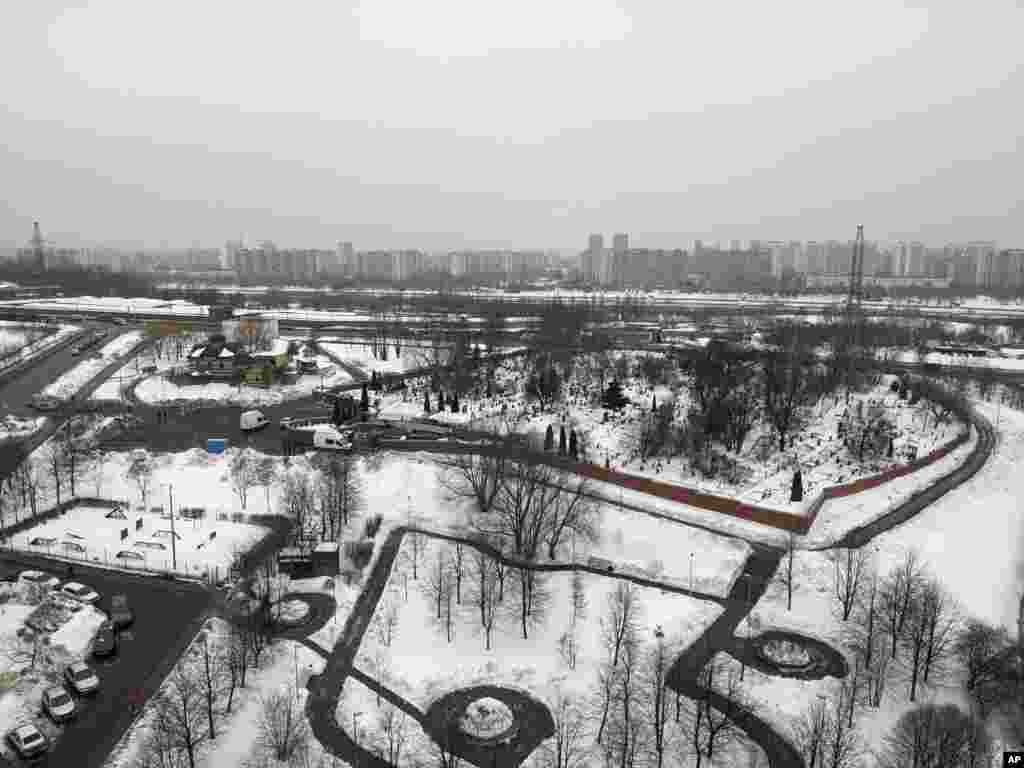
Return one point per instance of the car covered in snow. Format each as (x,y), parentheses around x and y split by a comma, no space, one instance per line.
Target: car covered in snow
(40,579)
(27,741)
(250,421)
(58,704)
(81,678)
(80,592)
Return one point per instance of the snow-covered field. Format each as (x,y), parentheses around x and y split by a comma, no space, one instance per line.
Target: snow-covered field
(196,553)
(121,345)
(361,356)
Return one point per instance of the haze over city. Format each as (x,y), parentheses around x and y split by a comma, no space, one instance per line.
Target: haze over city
(448,125)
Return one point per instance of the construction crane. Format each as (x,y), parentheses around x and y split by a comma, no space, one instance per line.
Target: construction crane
(856,290)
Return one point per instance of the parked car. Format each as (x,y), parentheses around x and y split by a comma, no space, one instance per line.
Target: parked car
(250,421)
(44,403)
(80,592)
(76,351)
(105,642)
(58,704)
(120,321)
(40,579)
(330,440)
(81,678)
(27,741)
(121,615)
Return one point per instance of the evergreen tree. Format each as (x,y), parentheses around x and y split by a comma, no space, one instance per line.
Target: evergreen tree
(654,404)
(440,401)
(426,401)
(336,414)
(561,440)
(573,445)
(364,402)
(613,397)
(549,438)
(455,403)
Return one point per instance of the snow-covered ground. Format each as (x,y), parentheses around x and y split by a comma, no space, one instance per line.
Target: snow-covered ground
(158,389)
(121,345)
(14,336)
(361,356)
(970,540)
(196,553)
(73,380)
(537,663)
(165,354)
(839,516)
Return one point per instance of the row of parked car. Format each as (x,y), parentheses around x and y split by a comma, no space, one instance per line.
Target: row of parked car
(59,702)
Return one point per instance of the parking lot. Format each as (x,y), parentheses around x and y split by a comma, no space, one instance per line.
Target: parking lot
(167,616)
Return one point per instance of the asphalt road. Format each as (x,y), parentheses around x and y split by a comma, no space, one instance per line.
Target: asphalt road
(167,616)
(17,393)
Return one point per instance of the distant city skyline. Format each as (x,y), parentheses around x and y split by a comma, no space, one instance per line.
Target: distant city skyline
(530,125)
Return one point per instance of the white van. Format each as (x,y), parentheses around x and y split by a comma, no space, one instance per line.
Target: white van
(252,420)
(331,440)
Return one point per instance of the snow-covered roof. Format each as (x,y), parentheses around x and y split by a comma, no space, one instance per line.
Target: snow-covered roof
(197,352)
(327,546)
(226,353)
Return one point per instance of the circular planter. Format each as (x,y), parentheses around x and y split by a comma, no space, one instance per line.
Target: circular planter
(291,613)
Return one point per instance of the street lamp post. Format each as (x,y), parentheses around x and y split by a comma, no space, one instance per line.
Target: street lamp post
(691,571)
(174,536)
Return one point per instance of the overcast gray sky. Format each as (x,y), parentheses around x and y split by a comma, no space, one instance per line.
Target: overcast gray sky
(445,123)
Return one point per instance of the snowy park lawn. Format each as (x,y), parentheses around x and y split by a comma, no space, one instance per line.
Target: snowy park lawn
(661,548)
(361,356)
(196,552)
(839,516)
(535,664)
(158,389)
(22,687)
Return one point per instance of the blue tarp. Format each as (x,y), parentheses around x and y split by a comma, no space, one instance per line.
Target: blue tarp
(216,445)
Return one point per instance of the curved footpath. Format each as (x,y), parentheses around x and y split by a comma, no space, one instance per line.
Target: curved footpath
(325,689)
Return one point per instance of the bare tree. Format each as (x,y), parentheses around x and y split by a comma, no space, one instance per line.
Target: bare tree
(236,663)
(568,747)
(711,729)
(56,464)
(659,659)
(812,734)
(284,730)
(141,473)
(626,726)
(570,515)
(981,650)
(340,491)
(266,474)
(181,712)
(391,724)
(932,735)
(896,596)
(243,472)
(484,592)
(299,500)
(849,569)
(620,626)
(211,678)
(787,576)
(943,623)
